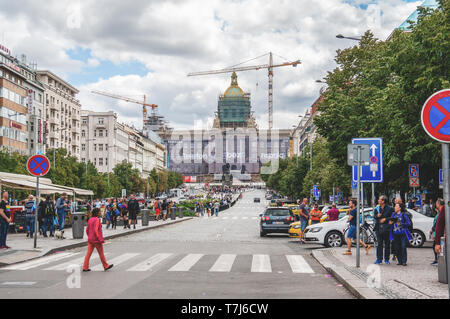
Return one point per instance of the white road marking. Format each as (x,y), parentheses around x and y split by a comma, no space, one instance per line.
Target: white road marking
(187,262)
(78,261)
(224,217)
(116,261)
(150,263)
(223,263)
(39,262)
(18,283)
(261,263)
(235,217)
(299,265)
(244,217)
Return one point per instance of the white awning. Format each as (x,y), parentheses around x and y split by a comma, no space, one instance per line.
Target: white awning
(24,184)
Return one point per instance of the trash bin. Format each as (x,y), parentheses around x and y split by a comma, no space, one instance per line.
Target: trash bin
(78,225)
(442,265)
(145,217)
(180,212)
(173,214)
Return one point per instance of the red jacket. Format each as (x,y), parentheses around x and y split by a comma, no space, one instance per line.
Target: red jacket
(440,226)
(94,231)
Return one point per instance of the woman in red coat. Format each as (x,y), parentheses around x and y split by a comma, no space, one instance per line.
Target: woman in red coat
(95,240)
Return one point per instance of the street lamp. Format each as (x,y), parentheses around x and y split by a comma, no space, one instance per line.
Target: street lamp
(54,146)
(87,153)
(340,36)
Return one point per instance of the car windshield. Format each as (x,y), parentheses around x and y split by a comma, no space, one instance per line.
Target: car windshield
(277,212)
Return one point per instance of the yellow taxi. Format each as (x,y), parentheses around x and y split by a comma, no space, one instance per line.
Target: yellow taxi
(294,231)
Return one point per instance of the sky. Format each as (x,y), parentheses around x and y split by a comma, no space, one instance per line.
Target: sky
(138,47)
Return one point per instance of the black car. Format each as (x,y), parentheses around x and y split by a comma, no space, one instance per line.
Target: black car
(257,200)
(276,220)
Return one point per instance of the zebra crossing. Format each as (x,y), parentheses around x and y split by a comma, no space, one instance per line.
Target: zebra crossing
(171,262)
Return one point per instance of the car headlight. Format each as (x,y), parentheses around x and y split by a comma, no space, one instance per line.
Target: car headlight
(315,229)
(297,227)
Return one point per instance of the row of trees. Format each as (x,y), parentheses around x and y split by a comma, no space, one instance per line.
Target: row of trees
(68,171)
(377,90)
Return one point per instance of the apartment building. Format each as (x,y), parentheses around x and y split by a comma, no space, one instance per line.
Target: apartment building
(22,113)
(62,113)
(305,133)
(105,142)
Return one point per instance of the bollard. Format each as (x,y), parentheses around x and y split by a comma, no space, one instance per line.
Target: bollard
(173,214)
(145,217)
(77,225)
(180,212)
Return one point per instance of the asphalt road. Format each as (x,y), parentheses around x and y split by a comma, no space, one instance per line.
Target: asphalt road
(218,257)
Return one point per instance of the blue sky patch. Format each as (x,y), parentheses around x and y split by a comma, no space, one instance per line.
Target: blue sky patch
(106,69)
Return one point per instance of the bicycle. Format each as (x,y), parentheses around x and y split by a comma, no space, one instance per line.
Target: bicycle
(367,233)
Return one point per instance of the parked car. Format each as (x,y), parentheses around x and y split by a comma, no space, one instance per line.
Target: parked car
(256,200)
(275,220)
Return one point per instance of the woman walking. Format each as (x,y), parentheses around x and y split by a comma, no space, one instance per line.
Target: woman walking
(95,240)
(400,233)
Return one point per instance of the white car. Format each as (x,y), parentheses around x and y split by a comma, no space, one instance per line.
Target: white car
(331,234)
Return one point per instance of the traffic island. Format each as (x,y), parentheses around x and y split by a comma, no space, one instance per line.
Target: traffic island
(418,280)
(22,247)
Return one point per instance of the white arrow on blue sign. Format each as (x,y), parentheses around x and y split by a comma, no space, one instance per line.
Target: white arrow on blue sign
(441,177)
(372,173)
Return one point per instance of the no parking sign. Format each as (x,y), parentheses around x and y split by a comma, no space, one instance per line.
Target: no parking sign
(436,116)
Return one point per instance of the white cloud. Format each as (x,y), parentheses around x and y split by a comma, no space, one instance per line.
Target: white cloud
(172,38)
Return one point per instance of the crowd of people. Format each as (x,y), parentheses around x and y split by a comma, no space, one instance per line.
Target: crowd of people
(392,225)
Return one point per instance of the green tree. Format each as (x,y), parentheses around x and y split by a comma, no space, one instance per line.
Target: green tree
(378,90)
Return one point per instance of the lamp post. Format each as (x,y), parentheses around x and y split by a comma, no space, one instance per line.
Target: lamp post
(54,146)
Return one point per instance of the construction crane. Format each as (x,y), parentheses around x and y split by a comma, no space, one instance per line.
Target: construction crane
(270,68)
(127,99)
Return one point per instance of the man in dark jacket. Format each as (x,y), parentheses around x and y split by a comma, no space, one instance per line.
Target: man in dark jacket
(30,210)
(439,229)
(133,210)
(381,215)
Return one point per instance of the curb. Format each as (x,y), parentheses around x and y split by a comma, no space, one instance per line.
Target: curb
(84,243)
(355,285)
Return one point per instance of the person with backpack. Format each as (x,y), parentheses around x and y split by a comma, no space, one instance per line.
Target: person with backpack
(30,210)
(400,233)
(133,210)
(124,213)
(164,207)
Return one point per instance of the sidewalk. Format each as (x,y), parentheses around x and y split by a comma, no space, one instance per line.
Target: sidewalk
(22,247)
(418,280)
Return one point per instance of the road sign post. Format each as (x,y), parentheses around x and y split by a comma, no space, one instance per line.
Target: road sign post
(362,159)
(435,119)
(37,165)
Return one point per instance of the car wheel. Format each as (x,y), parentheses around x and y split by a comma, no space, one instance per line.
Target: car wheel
(418,239)
(262,233)
(334,239)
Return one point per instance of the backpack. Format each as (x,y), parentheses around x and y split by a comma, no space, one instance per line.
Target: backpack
(411,227)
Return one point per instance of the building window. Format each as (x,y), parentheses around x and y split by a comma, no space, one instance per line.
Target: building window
(95,147)
(95,133)
(83,133)
(100,133)
(100,162)
(106,147)
(85,121)
(106,133)
(95,161)
(83,160)
(101,120)
(83,147)
(100,147)
(106,161)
